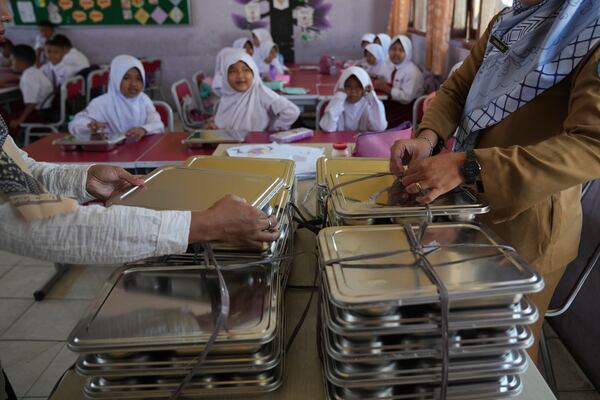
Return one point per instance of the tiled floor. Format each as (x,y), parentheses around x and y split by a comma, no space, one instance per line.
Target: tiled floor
(33,334)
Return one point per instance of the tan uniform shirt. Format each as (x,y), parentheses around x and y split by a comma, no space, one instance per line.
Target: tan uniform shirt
(534,161)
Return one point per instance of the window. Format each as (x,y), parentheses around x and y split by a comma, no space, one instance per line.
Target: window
(471,17)
(418,16)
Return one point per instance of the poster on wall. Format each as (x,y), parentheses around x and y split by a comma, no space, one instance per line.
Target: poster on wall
(102,12)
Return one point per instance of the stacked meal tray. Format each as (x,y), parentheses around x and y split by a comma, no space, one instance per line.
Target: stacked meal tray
(153,318)
(380,326)
(361,191)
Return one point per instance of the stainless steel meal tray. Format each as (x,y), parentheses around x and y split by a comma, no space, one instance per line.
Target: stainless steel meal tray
(214,136)
(424,371)
(187,189)
(468,272)
(466,343)
(525,314)
(370,199)
(70,142)
(159,308)
(333,165)
(503,388)
(211,385)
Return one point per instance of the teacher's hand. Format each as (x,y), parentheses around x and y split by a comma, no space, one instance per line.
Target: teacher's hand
(103,180)
(434,176)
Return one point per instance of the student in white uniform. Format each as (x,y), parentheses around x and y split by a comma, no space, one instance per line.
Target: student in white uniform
(270,63)
(367,39)
(384,40)
(260,36)
(125,109)
(355,105)
(65,60)
(45,32)
(244,44)
(35,87)
(403,79)
(246,103)
(375,59)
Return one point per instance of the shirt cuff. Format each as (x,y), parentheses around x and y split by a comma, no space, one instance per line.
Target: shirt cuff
(81,193)
(173,233)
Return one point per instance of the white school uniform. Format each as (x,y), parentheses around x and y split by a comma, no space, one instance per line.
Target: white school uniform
(73,62)
(120,113)
(36,88)
(40,43)
(263,67)
(263,36)
(378,69)
(408,81)
(257,109)
(366,114)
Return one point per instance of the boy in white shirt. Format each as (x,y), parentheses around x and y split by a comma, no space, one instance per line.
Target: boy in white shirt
(45,32)
(36,88)
(65,60)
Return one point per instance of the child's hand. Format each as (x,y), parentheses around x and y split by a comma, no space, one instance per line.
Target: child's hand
(135,134)
(380,84)
(96,126)
(211,125)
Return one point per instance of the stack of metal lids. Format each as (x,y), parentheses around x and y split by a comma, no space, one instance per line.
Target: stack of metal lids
(380,317)
(153,318)
(348,195)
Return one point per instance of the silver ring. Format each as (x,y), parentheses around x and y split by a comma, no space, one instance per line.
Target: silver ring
(419,187)
(270,225)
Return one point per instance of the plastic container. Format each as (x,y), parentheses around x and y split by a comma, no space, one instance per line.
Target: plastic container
(340,150)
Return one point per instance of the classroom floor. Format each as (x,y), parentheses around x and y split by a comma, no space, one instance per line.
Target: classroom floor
(33,334)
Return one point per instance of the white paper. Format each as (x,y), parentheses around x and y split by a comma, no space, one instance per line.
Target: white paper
(252,12)
(281,4)
(26,11)
(305,157)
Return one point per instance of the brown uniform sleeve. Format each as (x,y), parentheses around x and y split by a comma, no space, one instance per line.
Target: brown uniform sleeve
(445,111)
(517,177)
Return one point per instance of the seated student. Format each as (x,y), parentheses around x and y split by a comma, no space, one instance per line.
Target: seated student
(65,60)
(375,58)
(246,103)
(124,110)
(35,87)
(367,39)
(355,105)
(260,36)
(6,48)
(270,65)
(384,40)
(45,32)
(244,44)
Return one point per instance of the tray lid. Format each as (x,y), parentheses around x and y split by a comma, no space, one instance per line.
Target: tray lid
(74,141)
(467,272)
(174,306)
(328,165)
(176,188)
(216,136)
(384,197)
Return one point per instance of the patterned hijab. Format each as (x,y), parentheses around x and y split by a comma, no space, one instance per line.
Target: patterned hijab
(26,193)
(530,50)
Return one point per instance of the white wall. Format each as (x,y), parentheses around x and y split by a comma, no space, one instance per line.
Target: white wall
(187,49)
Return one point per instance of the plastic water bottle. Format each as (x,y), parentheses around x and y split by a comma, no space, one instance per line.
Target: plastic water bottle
(332,66)
(340,150)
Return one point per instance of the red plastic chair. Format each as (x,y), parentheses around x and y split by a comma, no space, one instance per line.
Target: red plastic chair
(166,114)
(97,83)
(320,111)
(191,115)
(72,100)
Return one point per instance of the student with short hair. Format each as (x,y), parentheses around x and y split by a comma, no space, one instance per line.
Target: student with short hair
(35,87)
(355,105)
(124,110)
(45,31)
(65,60)
(246,103)
(6,48)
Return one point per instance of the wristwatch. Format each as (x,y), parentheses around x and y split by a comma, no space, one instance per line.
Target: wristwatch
(471,168)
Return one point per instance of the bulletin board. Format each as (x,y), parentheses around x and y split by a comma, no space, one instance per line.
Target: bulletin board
(101,12)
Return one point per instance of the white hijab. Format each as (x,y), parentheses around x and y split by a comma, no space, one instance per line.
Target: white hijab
(217,84)
(354,117)
(385,40)
(377,51)
(367,37)
(408,56)
(263,35)
(241,42)
(113,108)
(247,110)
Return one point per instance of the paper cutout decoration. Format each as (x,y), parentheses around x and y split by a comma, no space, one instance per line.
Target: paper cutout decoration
(159,15)
(281,4)
(26,12)
(96,16)
(127,15)
(79,16)
(86,4)
(176,14)
(252,12)
(104,3)
(305,16)
(137,3)
(153,2)
(54,14)
(125,3)
(65,4)
(141,16)
(175,2)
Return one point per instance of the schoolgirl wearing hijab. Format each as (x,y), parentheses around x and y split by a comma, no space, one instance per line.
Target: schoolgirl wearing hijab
(269,60)
(246,103)
(367,39)
(355,105)
(260,36)
(527,132)
(217,83)
(244,44)
(375,59)
(384,40)
(124,110)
